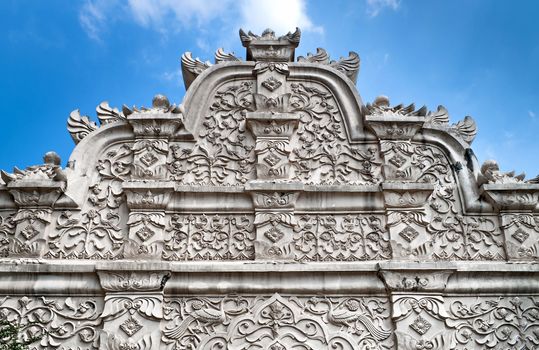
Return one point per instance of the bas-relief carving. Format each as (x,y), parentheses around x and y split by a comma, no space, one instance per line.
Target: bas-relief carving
(59,322)
(430,322)
(521,236)
(209,237)
(341,238)
(277,322)
(269,137)
(223,153)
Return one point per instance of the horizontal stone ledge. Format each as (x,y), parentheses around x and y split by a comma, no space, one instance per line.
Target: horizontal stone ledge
(68,266)
(60,277)
(269,282)
(277,186)
(311,201)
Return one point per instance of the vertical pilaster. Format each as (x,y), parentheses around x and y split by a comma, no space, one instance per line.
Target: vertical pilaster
(405,194)
(516,203)
(133,309)
(148,192)
(274,193)
(35,190)
(417,304)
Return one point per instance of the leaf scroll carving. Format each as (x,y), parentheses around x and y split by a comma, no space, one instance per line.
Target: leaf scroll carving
(341,238)
(323,155)
(201,237)
(277,322)
(69,323)
(494,323)
(224,152)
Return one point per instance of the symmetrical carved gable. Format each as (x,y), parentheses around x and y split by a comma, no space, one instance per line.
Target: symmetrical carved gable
(272,209)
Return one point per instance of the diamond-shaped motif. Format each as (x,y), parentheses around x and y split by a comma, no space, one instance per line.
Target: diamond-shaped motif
(271,83)
(277,346)
(145,233)
(274,234)
(420,325)
(409,234)
(520,235)
(272,159)
(149,159)
(29,232)
(398,160)
(131,326)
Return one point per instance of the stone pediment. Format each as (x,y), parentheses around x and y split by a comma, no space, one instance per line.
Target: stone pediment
(245,217)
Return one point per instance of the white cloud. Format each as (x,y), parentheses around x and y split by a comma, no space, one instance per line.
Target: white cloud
(532,114)
(162,13)
(280,15)
(224,15)
(94,15)
(374,7)
(203,45)
(174,76)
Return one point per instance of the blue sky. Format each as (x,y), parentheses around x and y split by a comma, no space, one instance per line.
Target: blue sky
(476,57)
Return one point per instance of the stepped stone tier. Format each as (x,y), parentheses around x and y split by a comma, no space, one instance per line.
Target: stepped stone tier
(272,210)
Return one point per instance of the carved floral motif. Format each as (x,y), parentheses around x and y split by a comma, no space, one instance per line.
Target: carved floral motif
(341,238)
(69,323)
(494,323)
(223,154)
(521,236)
(93,235)
(322,155)
(201,237)
(7,230)
(277,322)
(466,238)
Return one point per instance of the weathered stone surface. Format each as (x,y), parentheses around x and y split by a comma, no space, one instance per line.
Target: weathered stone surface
(272,209)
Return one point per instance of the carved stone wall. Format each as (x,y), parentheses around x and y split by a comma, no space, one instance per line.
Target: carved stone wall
(272,209)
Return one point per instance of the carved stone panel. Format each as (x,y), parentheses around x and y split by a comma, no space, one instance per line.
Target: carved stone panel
(277,322)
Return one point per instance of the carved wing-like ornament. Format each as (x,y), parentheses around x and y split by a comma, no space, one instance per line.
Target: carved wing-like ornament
(222,56)
(79,126)
(192,68)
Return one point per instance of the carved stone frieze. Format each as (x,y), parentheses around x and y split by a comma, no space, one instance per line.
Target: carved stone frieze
(341,238)
(7,231)
(493,322)
(89,235)
(403,278)
(272,133)
(406,195)
(322,156)
(29,238)
(277,322)
(205,237)
(466,238)
(55,322)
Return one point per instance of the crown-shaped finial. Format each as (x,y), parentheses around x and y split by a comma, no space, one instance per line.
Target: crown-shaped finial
(267,47)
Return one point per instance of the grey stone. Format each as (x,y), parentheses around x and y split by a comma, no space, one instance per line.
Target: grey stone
(272,209)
